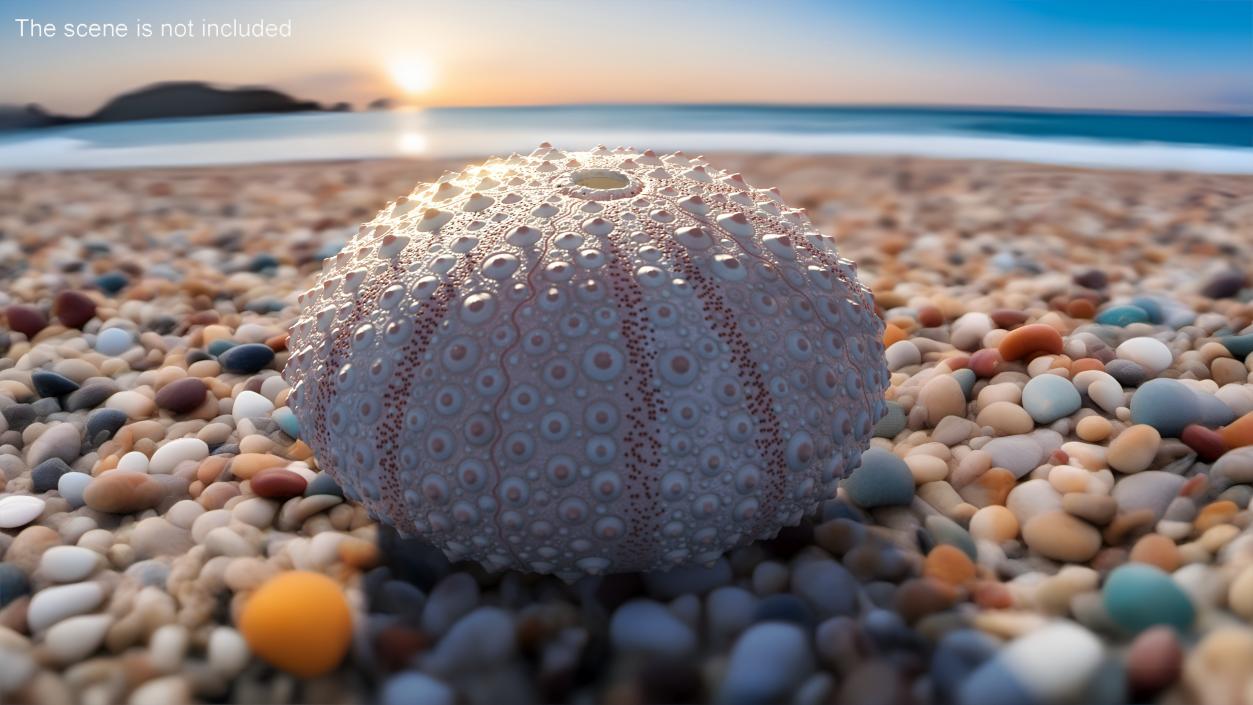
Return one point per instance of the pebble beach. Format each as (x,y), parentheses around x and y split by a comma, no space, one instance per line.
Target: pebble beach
(1054,510)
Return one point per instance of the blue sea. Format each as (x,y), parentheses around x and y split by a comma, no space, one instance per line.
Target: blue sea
(1178,141)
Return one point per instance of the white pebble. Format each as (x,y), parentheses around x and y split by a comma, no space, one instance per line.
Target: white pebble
(72,485)
(51,605)
(133,461)
(75,639)
(249,405)
(1149,353)
(167,647)
(19,510)
(228,652)
(177,451)
(68,564)
(132,403)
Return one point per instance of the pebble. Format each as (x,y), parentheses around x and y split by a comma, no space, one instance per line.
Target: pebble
(228,652)
(1134,449)
(1154,662)
(1151,489)
(114,341)
(1031,339)
(53,604)
(1166,405)
(644,626)
(480,641)
(1122,316)
(250,405)
(881,480)
(942,396)
(73,308)
(59,441)
(1051,664)
(414,687)
(19,510)
(277,483)
(299,622)
(182,396)
(104,422)
(27,320)
(246,359)
(1138,596)
(1019,454)
(119,492)
(1050,397)
(177,451)
(68,564)
(51,384)
(1060,536)
(1149,353)
(767,663)
(73,486)
(1006,418)
(13,583)
(75,638)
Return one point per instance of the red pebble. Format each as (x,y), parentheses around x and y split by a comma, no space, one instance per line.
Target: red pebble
(26,320)
(986,362)
(1008,317)
(73,308)
(930,316)
(1207,443)
(277,483)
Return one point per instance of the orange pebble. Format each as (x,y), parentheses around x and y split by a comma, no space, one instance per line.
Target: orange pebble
(949,564)
(1030,340)
(1157,550)
(1084,364)
(892,333)
(298,621)
(1238,433)
(1215,513)
(1081,308)
(358,553)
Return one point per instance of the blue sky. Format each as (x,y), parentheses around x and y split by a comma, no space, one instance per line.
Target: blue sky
(1148,55)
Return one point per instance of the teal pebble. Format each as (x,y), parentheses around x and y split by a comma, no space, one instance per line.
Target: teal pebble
(220,346)
(1122,316)
(1151,307)
(1240,346)
(882,480)
(1138,596)
(946,531)
(286,420)
(1166,405)
(1050,397)
(966,378)
(892,423)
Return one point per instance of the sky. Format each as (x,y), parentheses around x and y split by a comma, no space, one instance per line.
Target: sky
(1176,55)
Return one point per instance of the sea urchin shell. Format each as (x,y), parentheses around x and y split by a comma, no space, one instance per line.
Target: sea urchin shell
(578,363)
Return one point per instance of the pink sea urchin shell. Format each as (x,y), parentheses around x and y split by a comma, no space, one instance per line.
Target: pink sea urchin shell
(588,362)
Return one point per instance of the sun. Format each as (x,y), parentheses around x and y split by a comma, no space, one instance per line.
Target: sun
(412,74)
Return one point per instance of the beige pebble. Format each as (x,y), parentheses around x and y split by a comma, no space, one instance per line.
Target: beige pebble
(1134,449)
(994,523)
(1062,537)
(926,468)
(1093,429)
(1006,418)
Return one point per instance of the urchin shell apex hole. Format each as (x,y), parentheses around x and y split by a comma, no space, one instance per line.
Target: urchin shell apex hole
(600,179)
(600,184)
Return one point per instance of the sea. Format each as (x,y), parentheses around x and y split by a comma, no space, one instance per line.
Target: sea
(1198,142)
